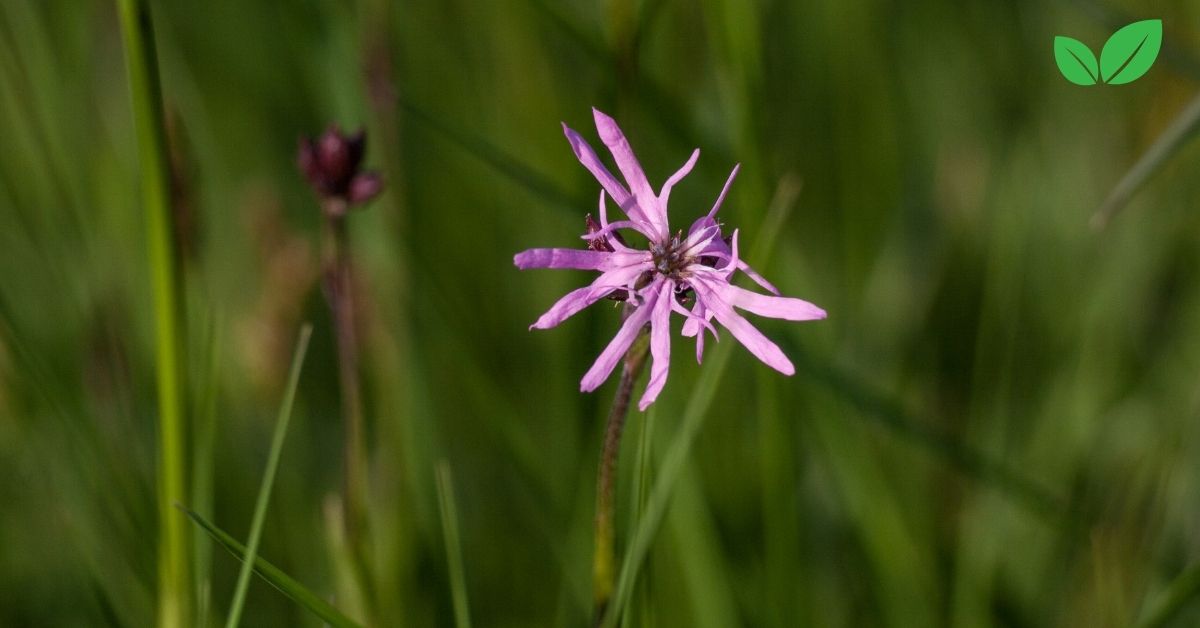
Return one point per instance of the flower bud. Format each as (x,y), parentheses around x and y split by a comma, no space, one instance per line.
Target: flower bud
(331,164)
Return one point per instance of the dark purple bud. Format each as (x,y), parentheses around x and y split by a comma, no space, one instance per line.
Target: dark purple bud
(333,156)
(331,165)
(596,244)
(602,244)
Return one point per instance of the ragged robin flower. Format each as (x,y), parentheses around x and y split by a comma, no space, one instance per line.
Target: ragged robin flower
(675,270)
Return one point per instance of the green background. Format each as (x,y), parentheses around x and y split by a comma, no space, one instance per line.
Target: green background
(998,424)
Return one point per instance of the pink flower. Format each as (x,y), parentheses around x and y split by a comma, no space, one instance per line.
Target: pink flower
(661,279)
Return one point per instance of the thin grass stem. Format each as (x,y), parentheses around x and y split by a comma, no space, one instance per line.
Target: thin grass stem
(643,476)
(1177,134)
(454,558)
(205,429)
(268,479)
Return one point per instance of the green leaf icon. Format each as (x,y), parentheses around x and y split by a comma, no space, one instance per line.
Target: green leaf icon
(1076,61)
(1130,52)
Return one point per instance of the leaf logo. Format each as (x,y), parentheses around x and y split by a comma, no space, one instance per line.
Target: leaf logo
(1126,56)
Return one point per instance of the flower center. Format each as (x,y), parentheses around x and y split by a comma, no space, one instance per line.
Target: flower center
(670,259)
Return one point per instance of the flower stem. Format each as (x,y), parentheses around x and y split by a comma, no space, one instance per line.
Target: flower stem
(174,607)
(603,559)
(340,296)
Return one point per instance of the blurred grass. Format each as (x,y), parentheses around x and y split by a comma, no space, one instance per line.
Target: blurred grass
(997,425)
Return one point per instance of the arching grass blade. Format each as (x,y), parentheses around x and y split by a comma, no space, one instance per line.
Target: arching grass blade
(273,575)
(1165,147)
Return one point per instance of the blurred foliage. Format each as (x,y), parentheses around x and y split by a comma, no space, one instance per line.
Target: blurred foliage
(998,425)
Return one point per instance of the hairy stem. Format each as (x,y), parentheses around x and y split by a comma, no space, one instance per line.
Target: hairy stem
(339,293)
(603,560)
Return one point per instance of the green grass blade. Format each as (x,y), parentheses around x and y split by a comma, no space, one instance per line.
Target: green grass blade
(673,463)
(204,433)
(695,412)
(499,159)
(1181,590)
(268,480)
(781,522)
(273,575)
(643,470)
(458,579)
(704,574)
(146,97)
(643,476)
(651,95)
(1182,128)
(874,406)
